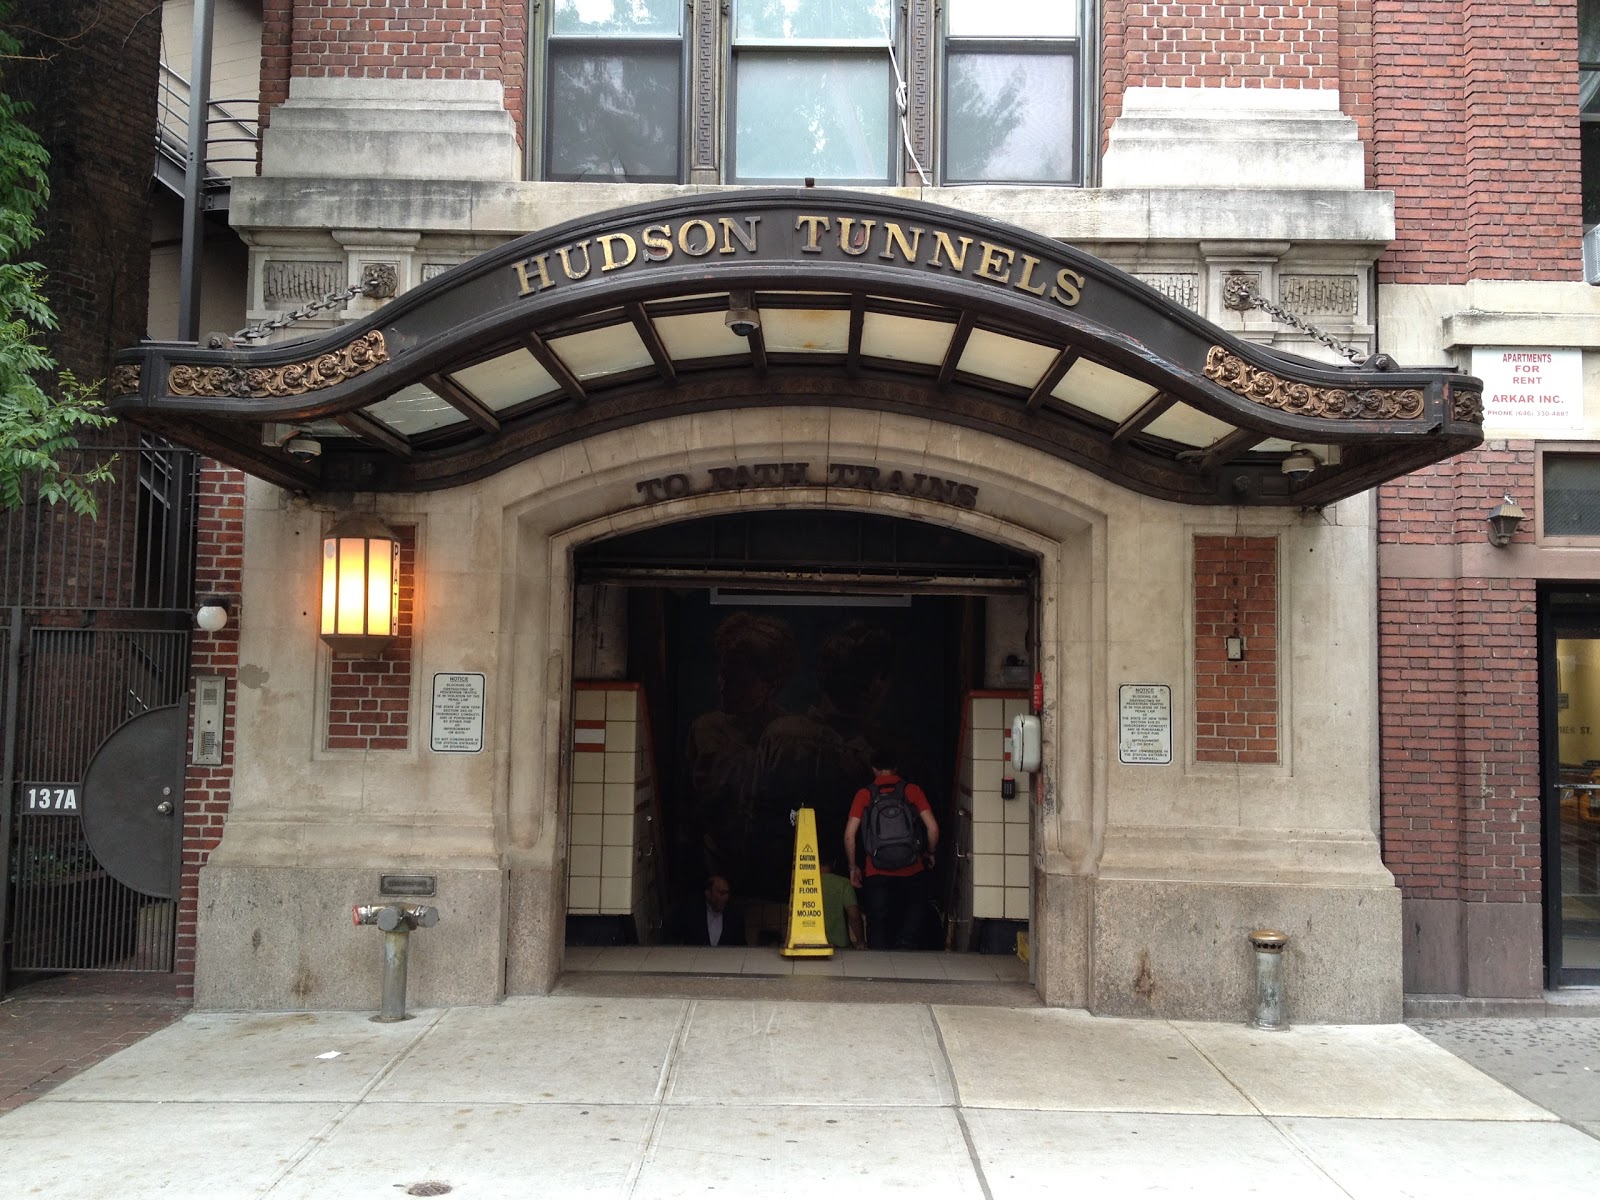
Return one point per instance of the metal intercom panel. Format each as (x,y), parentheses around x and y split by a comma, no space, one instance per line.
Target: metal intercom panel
(210,709)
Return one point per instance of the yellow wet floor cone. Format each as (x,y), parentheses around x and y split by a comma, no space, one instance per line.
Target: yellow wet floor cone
(808,933)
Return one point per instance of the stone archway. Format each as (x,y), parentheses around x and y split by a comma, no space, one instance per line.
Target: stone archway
(1029,514)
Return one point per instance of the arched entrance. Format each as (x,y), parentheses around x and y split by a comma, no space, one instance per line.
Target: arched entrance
(734,668)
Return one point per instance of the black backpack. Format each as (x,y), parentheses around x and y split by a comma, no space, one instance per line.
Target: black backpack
(892,830)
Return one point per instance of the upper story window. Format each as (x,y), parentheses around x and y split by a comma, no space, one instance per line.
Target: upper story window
(811,91)
(1010,98)
(614,75)
(776,91)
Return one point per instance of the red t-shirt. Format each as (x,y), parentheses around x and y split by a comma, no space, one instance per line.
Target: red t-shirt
(918,801)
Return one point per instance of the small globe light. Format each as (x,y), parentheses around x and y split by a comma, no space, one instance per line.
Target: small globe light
(211,617)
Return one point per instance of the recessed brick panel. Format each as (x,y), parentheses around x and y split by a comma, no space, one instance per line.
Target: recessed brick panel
(369,699)
(1236,703)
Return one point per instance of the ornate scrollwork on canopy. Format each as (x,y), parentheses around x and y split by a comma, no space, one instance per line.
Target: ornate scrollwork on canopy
(125,379)
(1303,400)
(1466,406)
(292,379)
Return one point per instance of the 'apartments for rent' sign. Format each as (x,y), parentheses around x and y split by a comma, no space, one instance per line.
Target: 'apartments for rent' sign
(1530,389)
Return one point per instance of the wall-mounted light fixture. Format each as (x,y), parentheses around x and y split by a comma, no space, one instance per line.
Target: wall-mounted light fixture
(1503,521)
(360,587)
(212,614)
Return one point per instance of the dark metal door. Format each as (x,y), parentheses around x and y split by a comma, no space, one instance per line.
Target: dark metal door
(94,633)
(93,861)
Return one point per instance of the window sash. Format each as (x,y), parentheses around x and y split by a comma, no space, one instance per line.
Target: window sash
(877,52)
(974,47)
(574,47)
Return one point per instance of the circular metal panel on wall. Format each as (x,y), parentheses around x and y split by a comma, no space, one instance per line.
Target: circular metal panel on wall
(132,801)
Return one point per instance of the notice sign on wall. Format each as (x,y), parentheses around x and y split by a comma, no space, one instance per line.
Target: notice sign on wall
(1530,389)
(457,713)
(1144,723)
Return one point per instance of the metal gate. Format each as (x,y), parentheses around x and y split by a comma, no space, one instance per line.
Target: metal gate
(96,641)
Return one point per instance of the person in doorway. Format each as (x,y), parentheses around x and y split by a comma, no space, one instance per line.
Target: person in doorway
(900,837)
(756,655)
(711,919)
(841,911)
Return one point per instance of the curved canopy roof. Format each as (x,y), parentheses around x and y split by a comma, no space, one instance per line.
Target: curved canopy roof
(797,296)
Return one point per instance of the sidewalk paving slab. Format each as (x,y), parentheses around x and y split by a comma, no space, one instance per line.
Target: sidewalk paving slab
(1380,1071)
(240,1057)
(96,1150)
(548,1151)
(1553,1061)
(801,1153)
(754,1052)
(1067,1060)
(1048,1155)
(566,1050)
(1450,1160)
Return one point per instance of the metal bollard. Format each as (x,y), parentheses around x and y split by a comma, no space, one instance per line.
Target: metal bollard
(397,921)
(1269,944)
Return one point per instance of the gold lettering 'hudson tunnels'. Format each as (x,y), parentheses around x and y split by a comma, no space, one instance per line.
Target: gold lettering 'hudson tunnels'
(867,238)
(699,237)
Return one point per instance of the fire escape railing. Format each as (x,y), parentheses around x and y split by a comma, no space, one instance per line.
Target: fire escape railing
(233,138)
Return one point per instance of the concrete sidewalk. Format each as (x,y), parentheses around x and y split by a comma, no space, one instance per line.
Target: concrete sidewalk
(632,1096)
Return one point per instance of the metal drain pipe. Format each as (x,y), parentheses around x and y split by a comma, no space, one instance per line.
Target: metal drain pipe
(397,921)
(1269,944)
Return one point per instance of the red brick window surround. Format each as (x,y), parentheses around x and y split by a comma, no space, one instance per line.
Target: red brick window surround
(369,699)
(1236,701)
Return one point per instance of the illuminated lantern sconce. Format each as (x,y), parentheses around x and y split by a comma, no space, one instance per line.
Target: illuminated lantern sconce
(360,587)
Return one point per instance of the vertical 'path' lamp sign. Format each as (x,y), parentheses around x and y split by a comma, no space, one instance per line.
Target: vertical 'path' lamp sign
(360,587)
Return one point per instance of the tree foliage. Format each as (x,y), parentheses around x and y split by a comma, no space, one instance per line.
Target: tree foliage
(38,427)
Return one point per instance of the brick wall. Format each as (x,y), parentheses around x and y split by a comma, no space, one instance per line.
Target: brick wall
(1475,132)
(1236,703)
(1221,45)
(393,39)
(208,791)
(96,247)
(1459,694)
(369,699)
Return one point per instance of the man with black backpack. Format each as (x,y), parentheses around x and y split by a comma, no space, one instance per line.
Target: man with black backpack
(900,836)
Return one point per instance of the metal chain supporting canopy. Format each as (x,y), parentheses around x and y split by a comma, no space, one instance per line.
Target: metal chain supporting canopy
(798,297)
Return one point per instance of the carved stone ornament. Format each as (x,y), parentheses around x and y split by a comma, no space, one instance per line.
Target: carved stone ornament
(1301,399)
(293,379)
(379,281)
(1466,406)
(125,380)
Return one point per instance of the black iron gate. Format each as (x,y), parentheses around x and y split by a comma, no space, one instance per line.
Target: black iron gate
(96,660)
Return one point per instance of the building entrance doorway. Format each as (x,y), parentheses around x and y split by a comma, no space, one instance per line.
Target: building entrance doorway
(734,669)
(1571,736)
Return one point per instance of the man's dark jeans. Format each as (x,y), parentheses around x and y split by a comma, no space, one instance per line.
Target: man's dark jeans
(896,907)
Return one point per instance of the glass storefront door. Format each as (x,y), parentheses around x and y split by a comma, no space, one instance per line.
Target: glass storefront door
(1572,787)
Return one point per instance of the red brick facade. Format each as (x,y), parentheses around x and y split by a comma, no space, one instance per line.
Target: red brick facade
(1459,697)
(369,699)
(393,39)
(1475,131)
(1236,703)
(1223,45)
(208,791)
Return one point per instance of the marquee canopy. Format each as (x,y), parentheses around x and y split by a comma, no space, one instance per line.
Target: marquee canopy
(797,297)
